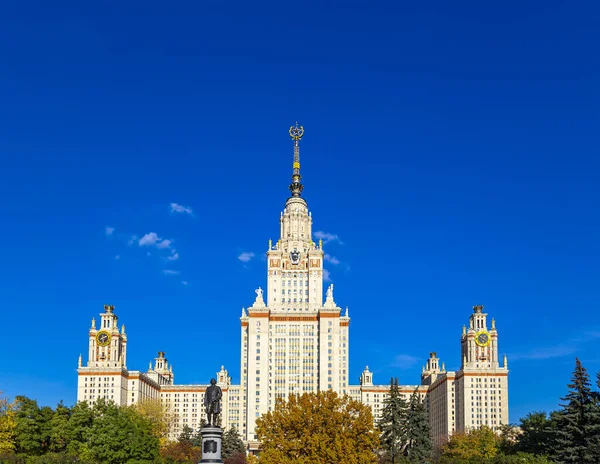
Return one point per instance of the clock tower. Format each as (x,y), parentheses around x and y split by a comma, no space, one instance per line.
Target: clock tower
(481,383)
(479,346)
(107,345)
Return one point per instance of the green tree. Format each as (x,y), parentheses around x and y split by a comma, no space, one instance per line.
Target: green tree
(317,428)
(392,423)
(520,458)
(595,440)
(46,414)
(197,436)
(418,447)
(59,428)
(477,446)
(120,435)
(30,429)
(232,444)
(536,433)
(577,422)
(78,429)
(186,435)
(508,438)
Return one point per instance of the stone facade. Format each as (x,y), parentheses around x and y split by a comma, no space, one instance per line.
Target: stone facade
(298,342)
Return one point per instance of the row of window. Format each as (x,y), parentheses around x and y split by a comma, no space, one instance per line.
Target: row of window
(301,283)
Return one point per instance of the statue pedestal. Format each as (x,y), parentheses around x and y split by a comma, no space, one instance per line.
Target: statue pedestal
(211,444)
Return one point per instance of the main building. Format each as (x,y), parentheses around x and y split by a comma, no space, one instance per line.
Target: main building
(294,343)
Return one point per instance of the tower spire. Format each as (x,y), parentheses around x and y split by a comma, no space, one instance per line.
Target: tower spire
(296,187)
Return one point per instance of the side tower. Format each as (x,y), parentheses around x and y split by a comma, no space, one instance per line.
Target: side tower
(107,346)
(105,374)
(293,342)
(482,383)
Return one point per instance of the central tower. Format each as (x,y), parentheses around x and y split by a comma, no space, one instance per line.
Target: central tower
(294,342)
(295,262)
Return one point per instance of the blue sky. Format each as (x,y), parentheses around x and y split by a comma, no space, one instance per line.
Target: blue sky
(451,152)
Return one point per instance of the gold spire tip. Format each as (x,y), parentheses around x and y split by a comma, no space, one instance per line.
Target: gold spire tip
(296,132)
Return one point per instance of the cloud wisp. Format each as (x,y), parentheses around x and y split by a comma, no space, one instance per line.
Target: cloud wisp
(326,275)
(151,240)
(567,348)
(177,208)
(327,237)
(331,259)
(246,256)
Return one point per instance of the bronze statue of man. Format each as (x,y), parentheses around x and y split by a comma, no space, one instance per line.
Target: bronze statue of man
(212,403)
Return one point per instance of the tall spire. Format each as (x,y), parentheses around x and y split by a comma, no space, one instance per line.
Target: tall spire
(296,133)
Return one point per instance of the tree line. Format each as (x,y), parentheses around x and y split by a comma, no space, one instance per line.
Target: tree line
(101,432)
(569,435)
(326,429)
(321,428)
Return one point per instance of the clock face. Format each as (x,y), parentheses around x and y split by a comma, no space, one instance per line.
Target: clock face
(103,338)
(295,257)
(482,338)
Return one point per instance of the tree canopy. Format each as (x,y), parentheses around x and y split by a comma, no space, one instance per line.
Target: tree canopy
(577,428)
(8,425)
(318,428)
(405,434)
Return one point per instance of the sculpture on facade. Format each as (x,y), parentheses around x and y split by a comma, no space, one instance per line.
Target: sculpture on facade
(212,403)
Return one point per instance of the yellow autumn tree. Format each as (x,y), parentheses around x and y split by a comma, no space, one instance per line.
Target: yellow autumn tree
(476,446)
(8,424)
(318,428)
(161,417)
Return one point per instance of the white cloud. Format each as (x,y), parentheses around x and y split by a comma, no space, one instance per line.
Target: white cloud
(152,239)
(108,231)
(546,353)
(184,282)
(331,259)
(164,244)
(177,208)
(327,237)
(246,256)
(132,240)
(326,276)
(149,239)
(405,361)
(170,272)
(174,256)
(118,257)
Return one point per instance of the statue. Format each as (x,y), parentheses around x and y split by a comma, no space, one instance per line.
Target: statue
(330,292)
(259,293)
(212,403)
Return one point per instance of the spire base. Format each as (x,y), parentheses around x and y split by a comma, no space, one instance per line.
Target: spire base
(296,189)
(296,133)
